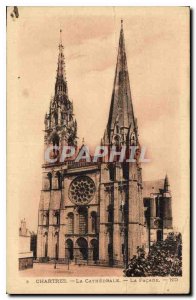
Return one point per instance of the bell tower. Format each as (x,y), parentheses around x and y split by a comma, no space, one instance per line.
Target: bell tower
(60,129)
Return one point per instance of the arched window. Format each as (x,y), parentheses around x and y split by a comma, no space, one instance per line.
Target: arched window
(70,223)
(54,140)
(57,217)
(56,118)
(125,171)
(49,176)
(94,221)
(59,178)
(117,128)
(46,218)
(158,207)
(117,141)
(110,213)
(45,244)
(56,245)
(133,139)
(112,172)
(70,140)
(83,220)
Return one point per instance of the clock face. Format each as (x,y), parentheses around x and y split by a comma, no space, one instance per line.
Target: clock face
(82,190)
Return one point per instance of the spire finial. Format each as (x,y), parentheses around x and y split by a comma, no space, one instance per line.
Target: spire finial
(60,36)
(121,23)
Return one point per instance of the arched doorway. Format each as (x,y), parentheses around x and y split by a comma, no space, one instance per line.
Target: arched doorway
(95,249)
(69,249)
(56,236)
(46,245)
(82,246)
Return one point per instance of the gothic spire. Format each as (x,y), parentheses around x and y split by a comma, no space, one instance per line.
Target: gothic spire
(60,120)
(61,84)
(121,109)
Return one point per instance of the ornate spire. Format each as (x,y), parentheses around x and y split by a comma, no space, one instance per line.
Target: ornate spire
(60,118)
(61,84)
(121,109)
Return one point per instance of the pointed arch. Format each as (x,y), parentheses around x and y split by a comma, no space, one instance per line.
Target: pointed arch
(110,213)
(56,118)
(117,139)
(54,138)
(45,244)
(83,220)
(49,176)
(56,245)
(56,214)
(94,221)
(70,223)
(59,178)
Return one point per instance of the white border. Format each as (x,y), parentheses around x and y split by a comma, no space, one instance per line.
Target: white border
(3,5)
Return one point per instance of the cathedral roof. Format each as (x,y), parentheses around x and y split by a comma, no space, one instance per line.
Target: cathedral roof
(152,186)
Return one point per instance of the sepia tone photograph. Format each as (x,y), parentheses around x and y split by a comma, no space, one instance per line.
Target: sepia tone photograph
(98,104)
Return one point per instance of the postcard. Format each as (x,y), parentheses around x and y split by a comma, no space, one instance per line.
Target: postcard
(98,150)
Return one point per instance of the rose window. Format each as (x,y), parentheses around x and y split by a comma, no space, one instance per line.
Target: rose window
(82,190)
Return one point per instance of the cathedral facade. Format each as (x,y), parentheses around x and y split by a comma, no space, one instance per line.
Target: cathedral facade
(95,211)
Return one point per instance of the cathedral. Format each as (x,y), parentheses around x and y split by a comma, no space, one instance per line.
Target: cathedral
(97,212)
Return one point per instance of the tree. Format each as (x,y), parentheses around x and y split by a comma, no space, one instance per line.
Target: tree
(163,259)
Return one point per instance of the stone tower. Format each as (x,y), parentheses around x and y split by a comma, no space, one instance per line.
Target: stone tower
(158,209)
(60,130)
(122,227)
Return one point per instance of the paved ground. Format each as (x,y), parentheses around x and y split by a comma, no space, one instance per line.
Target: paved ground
(47,270)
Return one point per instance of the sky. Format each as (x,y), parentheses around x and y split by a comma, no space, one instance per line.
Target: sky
(157,47)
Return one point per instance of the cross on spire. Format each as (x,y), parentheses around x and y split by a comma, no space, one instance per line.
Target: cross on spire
(60,36)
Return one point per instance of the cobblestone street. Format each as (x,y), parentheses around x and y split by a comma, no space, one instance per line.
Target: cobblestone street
(48,270)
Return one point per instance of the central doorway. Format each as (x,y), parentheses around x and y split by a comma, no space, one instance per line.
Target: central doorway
(82,246)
